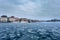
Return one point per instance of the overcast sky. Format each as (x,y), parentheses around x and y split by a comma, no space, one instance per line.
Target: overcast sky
(34,9)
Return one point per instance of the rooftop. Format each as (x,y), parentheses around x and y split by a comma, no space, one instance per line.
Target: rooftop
(3,16)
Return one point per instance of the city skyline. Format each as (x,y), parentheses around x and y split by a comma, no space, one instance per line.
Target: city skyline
(32,9)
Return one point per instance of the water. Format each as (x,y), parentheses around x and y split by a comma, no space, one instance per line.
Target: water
(30,31)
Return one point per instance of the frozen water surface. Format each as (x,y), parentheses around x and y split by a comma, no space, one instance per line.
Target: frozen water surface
(30,31)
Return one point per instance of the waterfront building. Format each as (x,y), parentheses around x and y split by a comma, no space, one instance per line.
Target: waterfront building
(24,20)
(3,18)
(17,20)
(12,19)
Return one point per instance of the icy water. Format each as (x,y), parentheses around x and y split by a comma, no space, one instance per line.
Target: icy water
(30,31)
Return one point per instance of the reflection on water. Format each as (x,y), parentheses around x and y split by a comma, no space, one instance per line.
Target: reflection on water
(30,31)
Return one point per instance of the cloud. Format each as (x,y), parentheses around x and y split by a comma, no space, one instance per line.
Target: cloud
(31,8)
(28,7)
(22,1)
(20,8)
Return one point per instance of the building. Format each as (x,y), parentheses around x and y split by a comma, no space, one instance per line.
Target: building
(12,19)
(17,19)
(24,20)
(3,18)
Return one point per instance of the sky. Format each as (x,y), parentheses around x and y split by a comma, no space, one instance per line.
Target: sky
(32,9)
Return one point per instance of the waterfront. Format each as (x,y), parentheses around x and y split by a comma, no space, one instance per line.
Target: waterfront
(30,31)
(11,19)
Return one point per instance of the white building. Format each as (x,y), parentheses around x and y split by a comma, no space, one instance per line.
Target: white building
(4,18)
(12,19)
(24,20)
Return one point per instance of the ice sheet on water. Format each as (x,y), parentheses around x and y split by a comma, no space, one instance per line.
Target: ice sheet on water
(32,31)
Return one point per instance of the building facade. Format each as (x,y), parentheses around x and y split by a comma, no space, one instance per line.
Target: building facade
(3,18)
(24,20)
(12,19)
